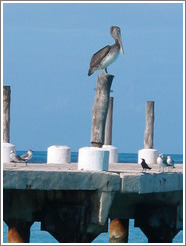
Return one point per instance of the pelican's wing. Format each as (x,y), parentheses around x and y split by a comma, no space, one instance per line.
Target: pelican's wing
(98,56)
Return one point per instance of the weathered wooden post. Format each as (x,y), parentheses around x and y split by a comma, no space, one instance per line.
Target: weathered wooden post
(7,146)
(100,109)
(6,114)
(108,125)
(95,157)
(148,153)
(149,127)
(113,156)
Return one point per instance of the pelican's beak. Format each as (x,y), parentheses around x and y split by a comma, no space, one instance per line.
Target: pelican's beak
(121,45)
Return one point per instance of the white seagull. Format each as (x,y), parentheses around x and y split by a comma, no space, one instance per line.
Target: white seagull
(161,161)
(14,157)
(27,156)
(170,161)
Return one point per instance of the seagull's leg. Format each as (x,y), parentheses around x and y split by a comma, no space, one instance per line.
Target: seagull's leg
(159,168)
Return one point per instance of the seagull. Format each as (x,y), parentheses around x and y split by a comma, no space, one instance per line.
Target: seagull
(107,55)
(27,156)
(15,157)
(144,165)
(170,161)
(162,162)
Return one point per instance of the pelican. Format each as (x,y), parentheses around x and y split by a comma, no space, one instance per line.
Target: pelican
(107,55)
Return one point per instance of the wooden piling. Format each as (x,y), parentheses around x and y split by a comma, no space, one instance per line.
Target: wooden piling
(108,125)
(100,109)
(149,128)
(119,231)
(6,114)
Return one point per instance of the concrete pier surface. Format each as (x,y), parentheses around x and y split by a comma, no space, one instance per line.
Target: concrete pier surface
(128,177)
(74,205)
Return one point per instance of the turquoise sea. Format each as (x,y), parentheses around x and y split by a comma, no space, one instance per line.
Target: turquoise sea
(135,234)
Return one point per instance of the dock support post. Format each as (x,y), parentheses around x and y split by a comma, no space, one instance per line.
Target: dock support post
(158,223)
(119,230)
(113,156)
(160,234)
(100,109)
(18,231)
(148,153)
(108,125)
(149,128)
(6,114)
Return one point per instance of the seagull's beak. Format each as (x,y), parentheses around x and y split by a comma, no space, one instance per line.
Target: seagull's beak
(121,45)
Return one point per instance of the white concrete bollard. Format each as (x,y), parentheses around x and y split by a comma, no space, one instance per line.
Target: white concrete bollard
(93,158)
(150,155)
(7,147)
(58,154)
(113,153)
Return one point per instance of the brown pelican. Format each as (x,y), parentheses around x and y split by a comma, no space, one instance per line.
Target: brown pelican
(107,55)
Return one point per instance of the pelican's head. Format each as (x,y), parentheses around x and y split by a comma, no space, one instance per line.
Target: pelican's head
(116,34)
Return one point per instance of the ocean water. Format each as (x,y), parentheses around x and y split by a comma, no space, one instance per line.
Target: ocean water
(135,234)
(41,157)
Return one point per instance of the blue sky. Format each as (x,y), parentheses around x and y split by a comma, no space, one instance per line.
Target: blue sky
(47,48)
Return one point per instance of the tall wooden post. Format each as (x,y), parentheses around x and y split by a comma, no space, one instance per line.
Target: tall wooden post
(149,128)
(100,109)
(108,125)
(6,114)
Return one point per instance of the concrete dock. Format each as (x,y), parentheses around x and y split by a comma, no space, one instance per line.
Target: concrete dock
(74,205)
